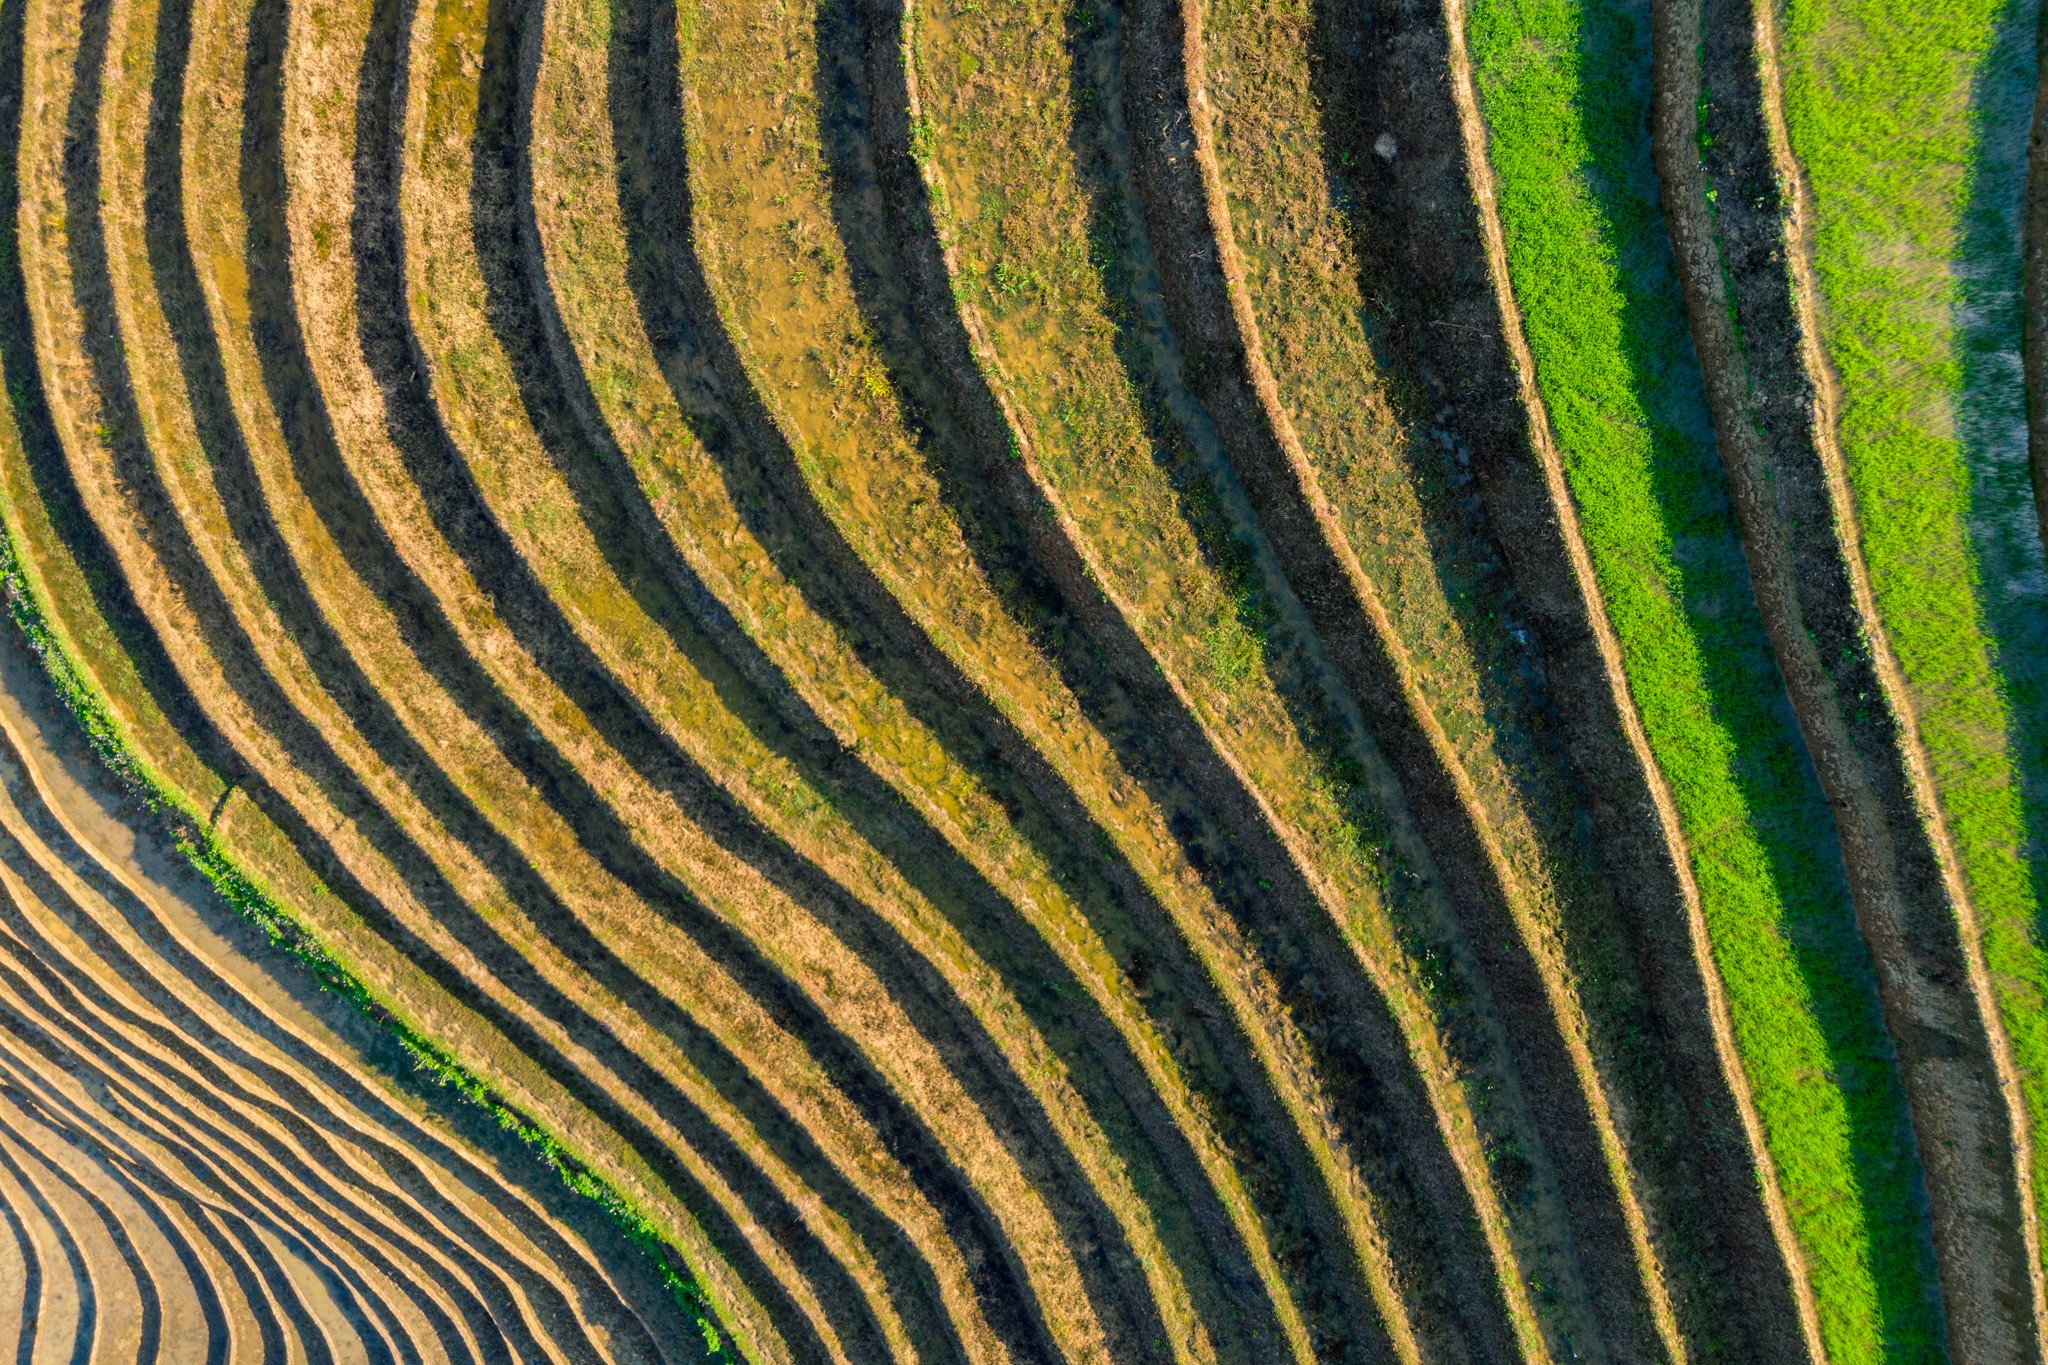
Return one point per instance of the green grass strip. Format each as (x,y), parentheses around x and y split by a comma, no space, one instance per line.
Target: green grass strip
(1564,86)
(196,841)
(1910,121)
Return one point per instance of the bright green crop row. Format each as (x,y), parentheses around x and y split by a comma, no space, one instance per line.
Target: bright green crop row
(1910,123)
(1564,89)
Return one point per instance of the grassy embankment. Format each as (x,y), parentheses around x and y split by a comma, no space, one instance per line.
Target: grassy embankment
(628,617)
(1589,261)
(1909,127)
(800,321)
(657,997)
(1031,285)
(109,670)
(763,565)
(785,783)
(1386,457)
(554,948)
(1764,384)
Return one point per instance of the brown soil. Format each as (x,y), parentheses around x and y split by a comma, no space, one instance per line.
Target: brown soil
(1774,426)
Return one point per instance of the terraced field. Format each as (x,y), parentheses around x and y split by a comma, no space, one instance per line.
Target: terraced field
(998,681)
(204,1157)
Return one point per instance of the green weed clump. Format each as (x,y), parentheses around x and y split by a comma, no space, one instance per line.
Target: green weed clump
(1564,89)
(195,839)
(1910,125)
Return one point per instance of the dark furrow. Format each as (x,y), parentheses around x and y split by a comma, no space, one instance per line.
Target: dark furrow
(2034,246)
(1726,212)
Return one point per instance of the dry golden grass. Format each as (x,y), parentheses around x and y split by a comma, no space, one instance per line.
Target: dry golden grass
(849,616)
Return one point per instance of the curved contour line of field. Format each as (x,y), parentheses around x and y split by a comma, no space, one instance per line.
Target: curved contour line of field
(1978,1200)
